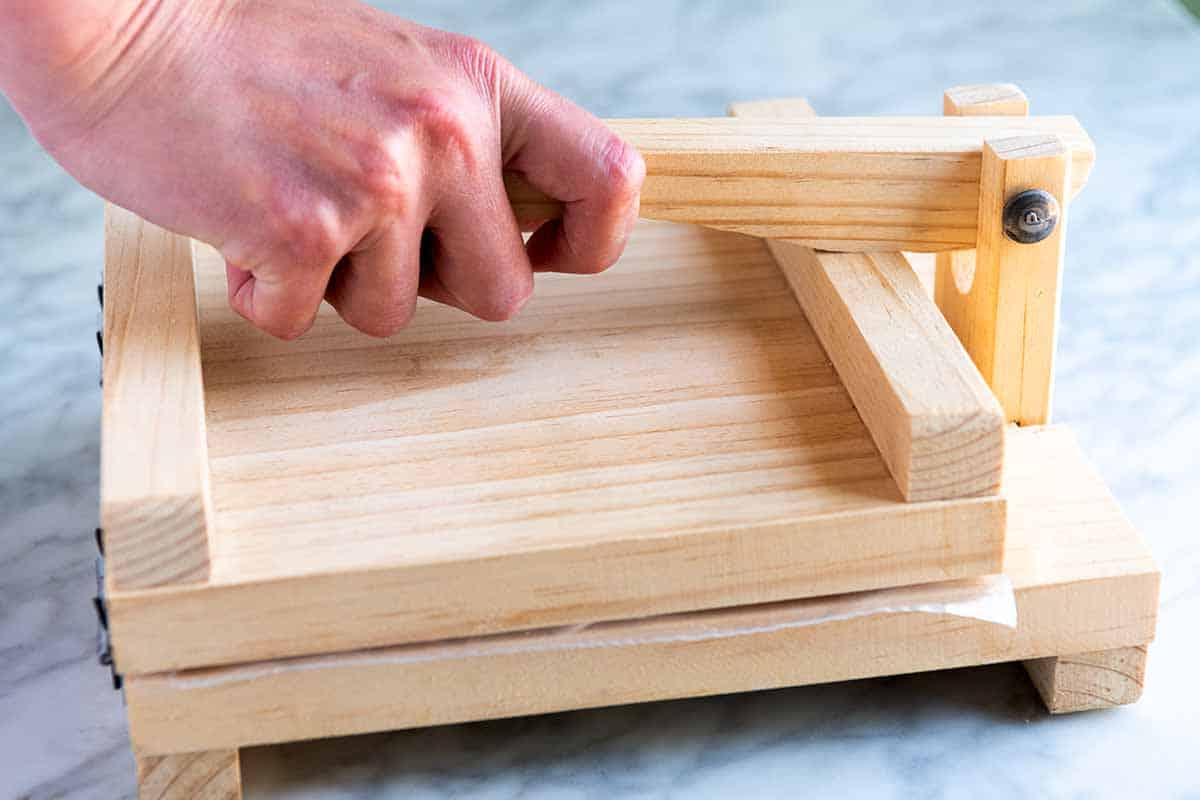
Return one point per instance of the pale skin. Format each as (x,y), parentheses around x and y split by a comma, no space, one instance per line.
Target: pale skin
(327,150)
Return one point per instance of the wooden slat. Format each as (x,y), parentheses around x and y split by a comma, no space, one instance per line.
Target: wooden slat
(154,502)
(785,108)
(667,436)
(1083,580)
(934,419)
(985,99)
(1089,681)
(834,183)
(955,270)
(1008,319)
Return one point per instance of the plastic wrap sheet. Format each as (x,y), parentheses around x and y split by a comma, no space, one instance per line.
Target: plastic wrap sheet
(990,599)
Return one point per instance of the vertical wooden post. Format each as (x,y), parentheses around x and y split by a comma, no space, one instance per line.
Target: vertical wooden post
(1089,680)
(1009,324)
(1002,299)
(955,269)
(210,775)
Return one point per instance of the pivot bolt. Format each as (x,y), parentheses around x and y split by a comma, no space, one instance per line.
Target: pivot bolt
(1030,216)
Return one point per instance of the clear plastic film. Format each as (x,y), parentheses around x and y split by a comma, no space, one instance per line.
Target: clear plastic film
(989,599)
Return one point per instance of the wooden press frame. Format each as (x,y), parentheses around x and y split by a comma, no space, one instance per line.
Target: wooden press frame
(934,384)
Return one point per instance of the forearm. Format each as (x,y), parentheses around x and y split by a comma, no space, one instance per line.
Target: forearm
(63,59)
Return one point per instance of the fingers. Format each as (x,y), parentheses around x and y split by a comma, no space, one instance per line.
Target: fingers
(374,288)
(573,157)
(472,251)
(477,255)
(283,303)
(278,284)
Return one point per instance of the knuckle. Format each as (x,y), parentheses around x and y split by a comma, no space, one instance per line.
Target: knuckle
(380,311)
(448,125)
(285,328)
(623,169)
(386,176)
(379,328)
(480,62)
(309,232)
(380,324)
(504,303)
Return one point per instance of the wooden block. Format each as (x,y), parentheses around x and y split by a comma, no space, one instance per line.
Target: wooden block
(1008,320)
(784,108)
(211,775)
(1089,680)
(1082,577)
(667,436)
(955,270)
(833,183)
(986,99)
(935,421)
(153,460)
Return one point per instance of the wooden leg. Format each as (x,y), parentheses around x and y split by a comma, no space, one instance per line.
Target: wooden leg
(956,269)
(1089,680)
(210,775)
(1002,298)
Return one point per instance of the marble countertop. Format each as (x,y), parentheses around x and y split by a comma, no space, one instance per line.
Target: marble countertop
(1128,381)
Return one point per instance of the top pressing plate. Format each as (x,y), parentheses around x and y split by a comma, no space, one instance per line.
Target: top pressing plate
(667,436)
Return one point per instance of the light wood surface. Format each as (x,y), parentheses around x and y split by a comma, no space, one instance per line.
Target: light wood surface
(1082,576)
(1008,320)
(955,270)
(211,775)
(785,108)
(834,183)
(1089,680)
(985,99)
(936,422)
(664,437)
(153,465)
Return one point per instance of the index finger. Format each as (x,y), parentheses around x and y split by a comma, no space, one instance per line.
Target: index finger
(570,155)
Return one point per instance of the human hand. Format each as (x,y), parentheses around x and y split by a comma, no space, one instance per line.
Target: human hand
(330,150)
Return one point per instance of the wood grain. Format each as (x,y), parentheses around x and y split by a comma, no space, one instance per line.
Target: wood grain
(1008,319)
(211,775)
(1090,681)
(784,108)
(154,505)
(955,270)
(664,437)
(934,419)
(833,183)
(985,99)
(1082,576)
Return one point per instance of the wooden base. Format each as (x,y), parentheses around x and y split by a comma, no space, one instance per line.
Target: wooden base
(1089,680)
(1067,684)
(1082,580)
(208,775)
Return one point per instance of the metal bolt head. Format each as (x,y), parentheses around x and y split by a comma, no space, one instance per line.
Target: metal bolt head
(1030,216)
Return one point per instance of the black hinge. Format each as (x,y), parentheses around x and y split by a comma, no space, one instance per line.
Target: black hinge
(103,643)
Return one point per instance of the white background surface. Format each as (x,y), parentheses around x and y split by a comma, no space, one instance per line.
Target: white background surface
(1129,382)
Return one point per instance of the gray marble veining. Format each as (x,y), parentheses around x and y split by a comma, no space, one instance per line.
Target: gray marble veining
(1129,382)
